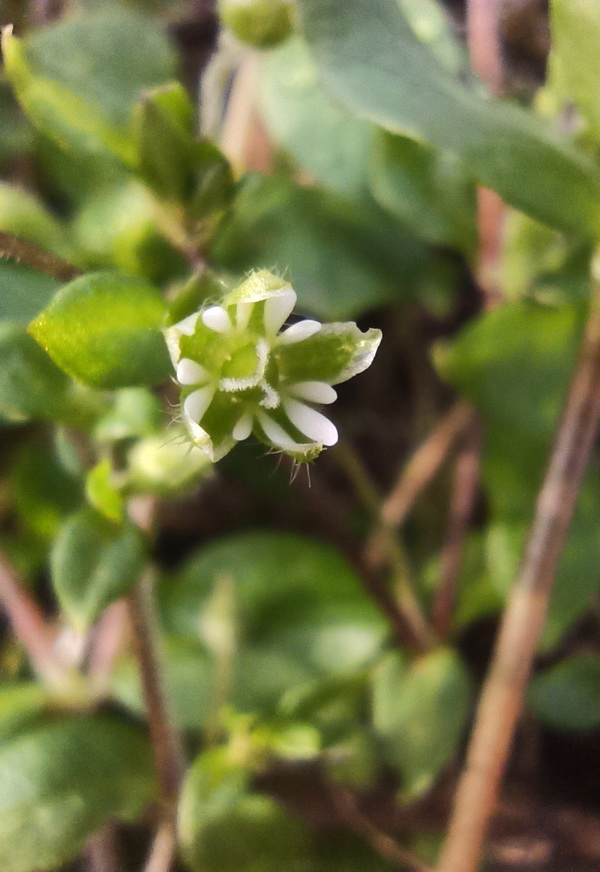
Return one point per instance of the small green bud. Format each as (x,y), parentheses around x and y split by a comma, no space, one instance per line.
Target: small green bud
(241,374)
(259,23)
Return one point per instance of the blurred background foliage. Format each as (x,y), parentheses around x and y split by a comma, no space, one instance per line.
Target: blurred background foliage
(342,148)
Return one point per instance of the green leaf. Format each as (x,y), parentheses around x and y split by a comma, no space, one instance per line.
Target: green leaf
(61,782)
(320,133)
(94,561)
(73,84)
(567,696)
(276,224)
(189,679)
(103,329)
(223,827)
(372,61)
(420,709)
(21,704)
(165,141)
(23,215)
(31,385)
(214,187)
(514,364)
(43,490)
(24,292)
(427,190)
(101,492)
(134,412)
(574,59)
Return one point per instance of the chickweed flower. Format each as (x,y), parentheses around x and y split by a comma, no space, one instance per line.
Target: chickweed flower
(241,373)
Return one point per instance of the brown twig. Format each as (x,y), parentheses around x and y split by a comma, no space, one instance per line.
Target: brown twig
(29,626)
(23,251)
(163,849)
(464,494)
(348,809)
(107,643)
(417,474)
(403,609)
(502,697)
(101,851)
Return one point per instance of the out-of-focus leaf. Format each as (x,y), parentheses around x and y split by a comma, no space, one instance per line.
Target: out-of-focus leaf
(104,330)
(134,412)
(514,364)
(24,292)
(79,80)
(341,258)
(61,782)
(21,704)
(166,463)
(189,676)
(321,134)
(102,493)
(94,561)
(427,190)
(43,490)
(567,696)
(31,385)
(420,709)
(23,215)
(372,61)
(223,827)
(574,60)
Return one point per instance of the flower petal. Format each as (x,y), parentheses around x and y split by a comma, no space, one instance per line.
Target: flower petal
(298,332)
(196,403)
(313,391)
(173,335)
(310,422)
(276,434)
(277,311)
(190,373)
(243,428)
(217,319)
(243,311)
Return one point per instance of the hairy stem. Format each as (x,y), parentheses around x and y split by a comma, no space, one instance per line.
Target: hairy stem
(501,700)
(22,251)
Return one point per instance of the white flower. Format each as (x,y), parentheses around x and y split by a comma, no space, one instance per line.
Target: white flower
(241,374)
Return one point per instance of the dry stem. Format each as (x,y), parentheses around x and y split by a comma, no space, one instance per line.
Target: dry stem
(22,251)
(502,697)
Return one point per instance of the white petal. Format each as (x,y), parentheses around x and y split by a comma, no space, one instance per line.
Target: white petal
(277,310)
(313,391)
(310,422)
(190,373)
(298,332)
(242,314)
(276,434)
(217,319)
(196,403)
(243,428)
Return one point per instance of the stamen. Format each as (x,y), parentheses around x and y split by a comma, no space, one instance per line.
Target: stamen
(310,422)
(196,403)
(190,373)
(217,319)
(277,310)
(313,391)
(298,332)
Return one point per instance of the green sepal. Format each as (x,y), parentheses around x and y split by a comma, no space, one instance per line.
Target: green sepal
(336,353)
(258,23)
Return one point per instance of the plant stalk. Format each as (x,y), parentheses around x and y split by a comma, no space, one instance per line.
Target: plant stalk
(501,700)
